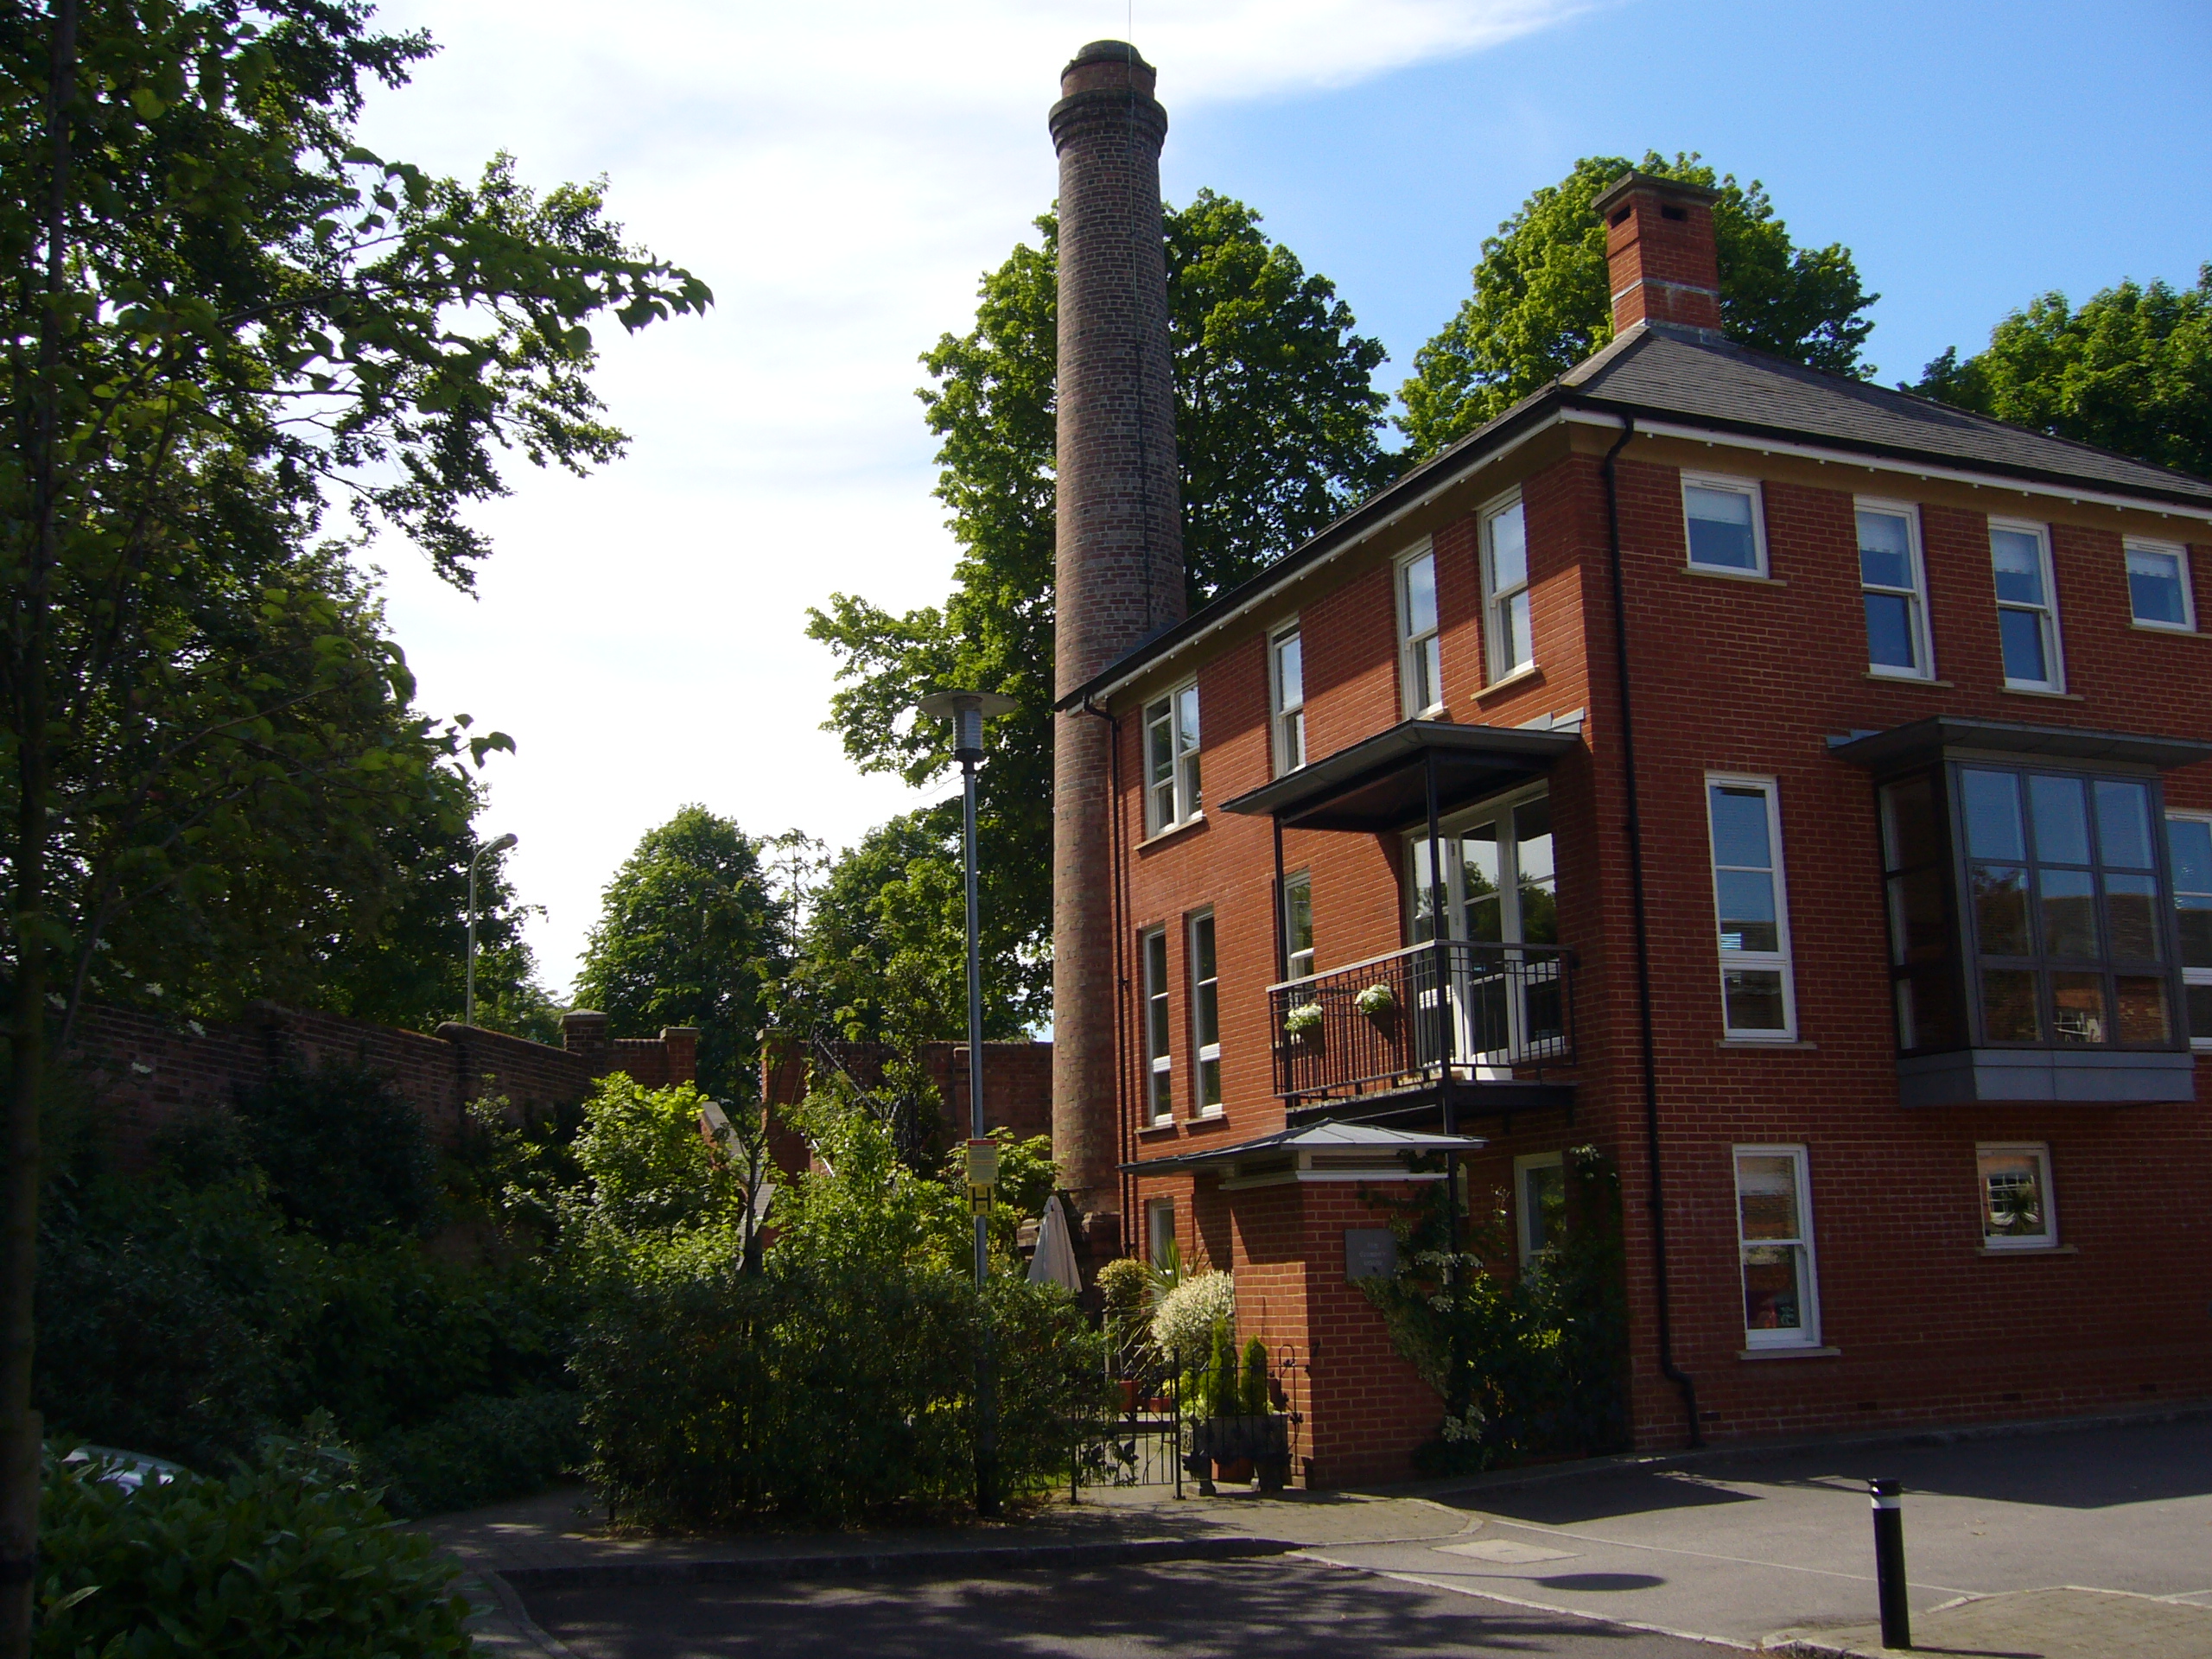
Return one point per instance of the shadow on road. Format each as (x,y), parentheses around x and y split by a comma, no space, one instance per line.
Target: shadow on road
(1283,1609)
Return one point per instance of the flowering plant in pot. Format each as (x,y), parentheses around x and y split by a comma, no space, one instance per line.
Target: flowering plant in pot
(1304,1021)
(1377,1001)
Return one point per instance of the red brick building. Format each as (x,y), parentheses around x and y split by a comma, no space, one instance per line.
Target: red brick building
(1814,784)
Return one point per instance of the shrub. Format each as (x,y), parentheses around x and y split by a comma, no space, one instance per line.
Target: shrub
(479,1449)
(1527,1365)
(1125,1289)
(278,1562)
(823,1390)
(1219,1397)
(345,1156)
(1182,1325)
(1252,1385)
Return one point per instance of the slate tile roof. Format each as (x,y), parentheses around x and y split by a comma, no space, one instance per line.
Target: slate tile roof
(1667,370)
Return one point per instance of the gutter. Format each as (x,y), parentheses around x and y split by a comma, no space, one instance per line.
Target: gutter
(1648,1045)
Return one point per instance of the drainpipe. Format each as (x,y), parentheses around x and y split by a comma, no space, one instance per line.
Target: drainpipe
(1117,878)
(1635,824)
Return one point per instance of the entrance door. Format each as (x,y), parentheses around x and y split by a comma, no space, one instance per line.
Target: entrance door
(1500,892)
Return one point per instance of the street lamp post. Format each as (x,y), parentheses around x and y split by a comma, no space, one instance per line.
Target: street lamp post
(468,1008)
(966,710)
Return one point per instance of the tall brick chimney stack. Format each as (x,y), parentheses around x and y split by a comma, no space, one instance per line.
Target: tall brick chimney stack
(1118,570)
(1660,249)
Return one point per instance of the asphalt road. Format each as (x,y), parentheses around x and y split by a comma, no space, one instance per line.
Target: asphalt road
(1280,1608)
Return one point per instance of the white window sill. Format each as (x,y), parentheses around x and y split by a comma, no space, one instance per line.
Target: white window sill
(2169,629)
(1789,1353)
(1172,831)
(2028,1249)
(2040,691)
(1156,1126)
(1909,679)
(1434,711)
(1777,1045)
(1211,1113)
(1759,576)
(1519,677)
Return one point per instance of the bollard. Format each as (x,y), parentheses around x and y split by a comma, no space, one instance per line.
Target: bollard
(1889,1562)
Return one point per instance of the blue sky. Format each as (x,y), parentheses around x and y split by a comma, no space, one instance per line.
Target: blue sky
(1970,155)
(841,173)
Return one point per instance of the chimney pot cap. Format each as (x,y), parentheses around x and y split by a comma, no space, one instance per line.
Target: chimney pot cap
(1635,181)
(1107,51)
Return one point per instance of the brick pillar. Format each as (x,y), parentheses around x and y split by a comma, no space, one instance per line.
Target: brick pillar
(1118,571)
(583,1033)
(1660,251)
(682,1043)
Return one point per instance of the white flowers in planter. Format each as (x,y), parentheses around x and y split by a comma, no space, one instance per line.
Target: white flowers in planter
(1377,999)
(1183,1324)
(1306,1017)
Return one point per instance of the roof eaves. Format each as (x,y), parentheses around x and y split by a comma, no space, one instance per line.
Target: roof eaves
(1376,512)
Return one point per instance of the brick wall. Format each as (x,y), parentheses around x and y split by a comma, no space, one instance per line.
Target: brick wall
(144,1071)
(1017,1089)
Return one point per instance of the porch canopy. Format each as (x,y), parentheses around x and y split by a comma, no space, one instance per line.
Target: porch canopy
(1418,768)
(1320,1152)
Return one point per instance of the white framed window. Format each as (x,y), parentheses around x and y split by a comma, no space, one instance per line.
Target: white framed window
(1298,926)
(1421,660)
(1893,585)
(1205,1014)
(1774,1235)
(1159,1056)
(2157,586)
(1507,644)
(1171,765)
(1724,523)
(1286,697)
(1160,1231)
(1751,907)
(2017,1212)
(2027,606)
(2189,845)
(1539,1204)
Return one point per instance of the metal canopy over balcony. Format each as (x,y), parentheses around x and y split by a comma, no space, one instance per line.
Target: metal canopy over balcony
(1385,783)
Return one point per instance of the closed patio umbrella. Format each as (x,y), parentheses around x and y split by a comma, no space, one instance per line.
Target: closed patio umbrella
(1054,1259)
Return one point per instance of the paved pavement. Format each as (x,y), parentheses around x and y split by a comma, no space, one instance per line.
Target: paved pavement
(1744,1550)
(1284,1608)
(1752,1550)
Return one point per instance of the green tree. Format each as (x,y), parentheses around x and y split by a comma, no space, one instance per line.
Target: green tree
(220,312)
(2130,371)
(688,934)
(1542,302)
(1276,424)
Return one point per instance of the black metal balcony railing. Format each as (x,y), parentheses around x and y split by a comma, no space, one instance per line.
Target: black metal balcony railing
(1380,1026)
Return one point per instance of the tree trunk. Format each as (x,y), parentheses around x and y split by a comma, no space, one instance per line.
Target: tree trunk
(20,1428)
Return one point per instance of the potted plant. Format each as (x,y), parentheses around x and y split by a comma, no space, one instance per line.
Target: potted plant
(1239,1438)
(1303,1021)
(1377,1002)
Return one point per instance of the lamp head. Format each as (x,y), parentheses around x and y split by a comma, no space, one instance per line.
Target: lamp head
(966,710)
(502,843)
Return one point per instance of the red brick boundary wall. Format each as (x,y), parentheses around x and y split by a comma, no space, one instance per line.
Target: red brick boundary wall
(1017,1089)
(144,1071)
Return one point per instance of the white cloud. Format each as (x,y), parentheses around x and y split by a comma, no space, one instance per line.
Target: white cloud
(840,174)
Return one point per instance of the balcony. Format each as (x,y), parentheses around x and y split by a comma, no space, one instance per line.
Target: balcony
(1385,1047)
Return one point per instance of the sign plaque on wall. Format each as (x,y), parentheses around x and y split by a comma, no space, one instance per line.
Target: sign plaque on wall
(1369,1253)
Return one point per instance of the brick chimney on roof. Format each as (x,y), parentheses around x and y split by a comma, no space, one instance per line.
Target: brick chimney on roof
(1660,250)
(1118,567)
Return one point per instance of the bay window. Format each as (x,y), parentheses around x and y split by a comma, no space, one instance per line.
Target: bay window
(2188,841)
